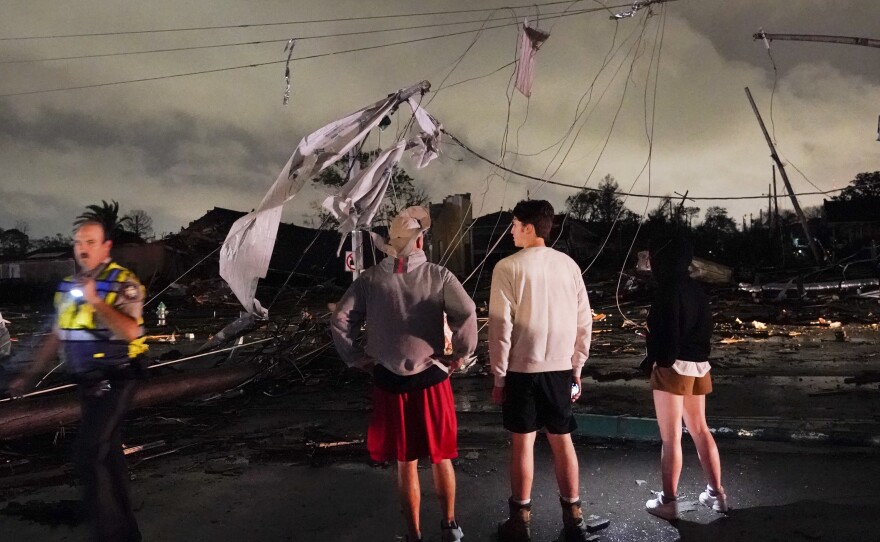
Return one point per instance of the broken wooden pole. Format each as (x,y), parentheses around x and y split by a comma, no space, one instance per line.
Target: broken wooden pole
(794,201)
(35,415)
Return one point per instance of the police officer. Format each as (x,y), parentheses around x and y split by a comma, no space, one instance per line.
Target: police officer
(98,332)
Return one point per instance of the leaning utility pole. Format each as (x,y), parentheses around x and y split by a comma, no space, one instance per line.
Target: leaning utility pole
(794,201)
(845,40)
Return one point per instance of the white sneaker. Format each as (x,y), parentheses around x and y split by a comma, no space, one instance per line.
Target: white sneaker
(662,507)
(714,500)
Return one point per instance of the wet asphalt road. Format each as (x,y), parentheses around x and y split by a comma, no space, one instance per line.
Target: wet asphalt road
(780,492)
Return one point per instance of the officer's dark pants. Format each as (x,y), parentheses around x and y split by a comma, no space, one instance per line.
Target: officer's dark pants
(100,461)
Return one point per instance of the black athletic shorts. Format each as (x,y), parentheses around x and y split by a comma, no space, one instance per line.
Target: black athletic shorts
(536,400)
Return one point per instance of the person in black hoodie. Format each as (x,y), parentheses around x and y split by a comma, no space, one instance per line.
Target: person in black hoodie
(678,341)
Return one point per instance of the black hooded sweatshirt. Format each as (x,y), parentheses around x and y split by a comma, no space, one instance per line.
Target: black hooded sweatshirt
(680,322)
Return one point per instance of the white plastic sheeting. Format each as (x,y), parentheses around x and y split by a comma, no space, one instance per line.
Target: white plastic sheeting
(245,255)
(360,198)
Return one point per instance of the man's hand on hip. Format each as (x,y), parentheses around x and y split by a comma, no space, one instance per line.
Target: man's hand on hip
(452,363)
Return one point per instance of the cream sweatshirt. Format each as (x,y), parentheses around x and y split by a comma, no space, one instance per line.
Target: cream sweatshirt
(539,314)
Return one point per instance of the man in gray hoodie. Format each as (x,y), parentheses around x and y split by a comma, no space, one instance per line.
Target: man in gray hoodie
(403,299)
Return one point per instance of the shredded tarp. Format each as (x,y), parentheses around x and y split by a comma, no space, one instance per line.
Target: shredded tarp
(245,255)
(426,143)
(530,40)
(289,50)
(359,199)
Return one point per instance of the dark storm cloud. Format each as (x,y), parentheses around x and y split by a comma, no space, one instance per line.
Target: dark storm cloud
(180,146)
(161,142)
(729,25)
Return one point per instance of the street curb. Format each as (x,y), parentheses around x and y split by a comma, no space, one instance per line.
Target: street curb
(630,428)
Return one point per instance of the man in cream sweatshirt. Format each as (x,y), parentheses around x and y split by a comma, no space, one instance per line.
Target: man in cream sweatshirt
(539,339)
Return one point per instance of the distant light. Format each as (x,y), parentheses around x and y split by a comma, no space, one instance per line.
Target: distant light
(76,292)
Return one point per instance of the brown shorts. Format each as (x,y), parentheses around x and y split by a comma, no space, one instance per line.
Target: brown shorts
(666,379)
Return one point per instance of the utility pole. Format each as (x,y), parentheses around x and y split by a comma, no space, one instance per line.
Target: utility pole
(794,201)
(775,199)
(357,249)
(844,40)
(777,228)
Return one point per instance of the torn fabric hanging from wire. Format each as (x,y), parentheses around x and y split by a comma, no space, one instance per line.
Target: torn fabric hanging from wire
(359,199)
(289,50)
(530,40)
(245,254)
(427,142)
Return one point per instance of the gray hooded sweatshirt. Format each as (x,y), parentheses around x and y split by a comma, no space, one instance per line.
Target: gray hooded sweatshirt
(403,301)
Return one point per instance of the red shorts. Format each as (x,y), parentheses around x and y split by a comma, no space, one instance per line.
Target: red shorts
(410,426)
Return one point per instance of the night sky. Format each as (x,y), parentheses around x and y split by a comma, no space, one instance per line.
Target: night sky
(177,147)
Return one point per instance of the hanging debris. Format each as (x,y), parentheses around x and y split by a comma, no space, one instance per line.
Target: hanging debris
(427,143)
(636,7)
(359,199)
(245,255)
(530,40)
(289,50)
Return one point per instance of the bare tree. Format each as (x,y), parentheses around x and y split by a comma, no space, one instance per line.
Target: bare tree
(140,224)
(23,226)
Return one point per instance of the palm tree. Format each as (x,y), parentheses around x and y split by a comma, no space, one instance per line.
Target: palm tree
(107,214)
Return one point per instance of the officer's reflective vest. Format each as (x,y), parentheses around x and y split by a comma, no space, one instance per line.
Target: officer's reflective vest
(87,345)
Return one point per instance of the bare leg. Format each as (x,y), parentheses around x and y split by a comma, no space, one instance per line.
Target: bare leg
(444,485)
(695,419)
(522,465)
(566,464)
(410,495)
(669,408)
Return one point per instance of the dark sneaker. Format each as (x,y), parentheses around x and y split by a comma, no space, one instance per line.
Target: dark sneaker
(517,527)
(574,527)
